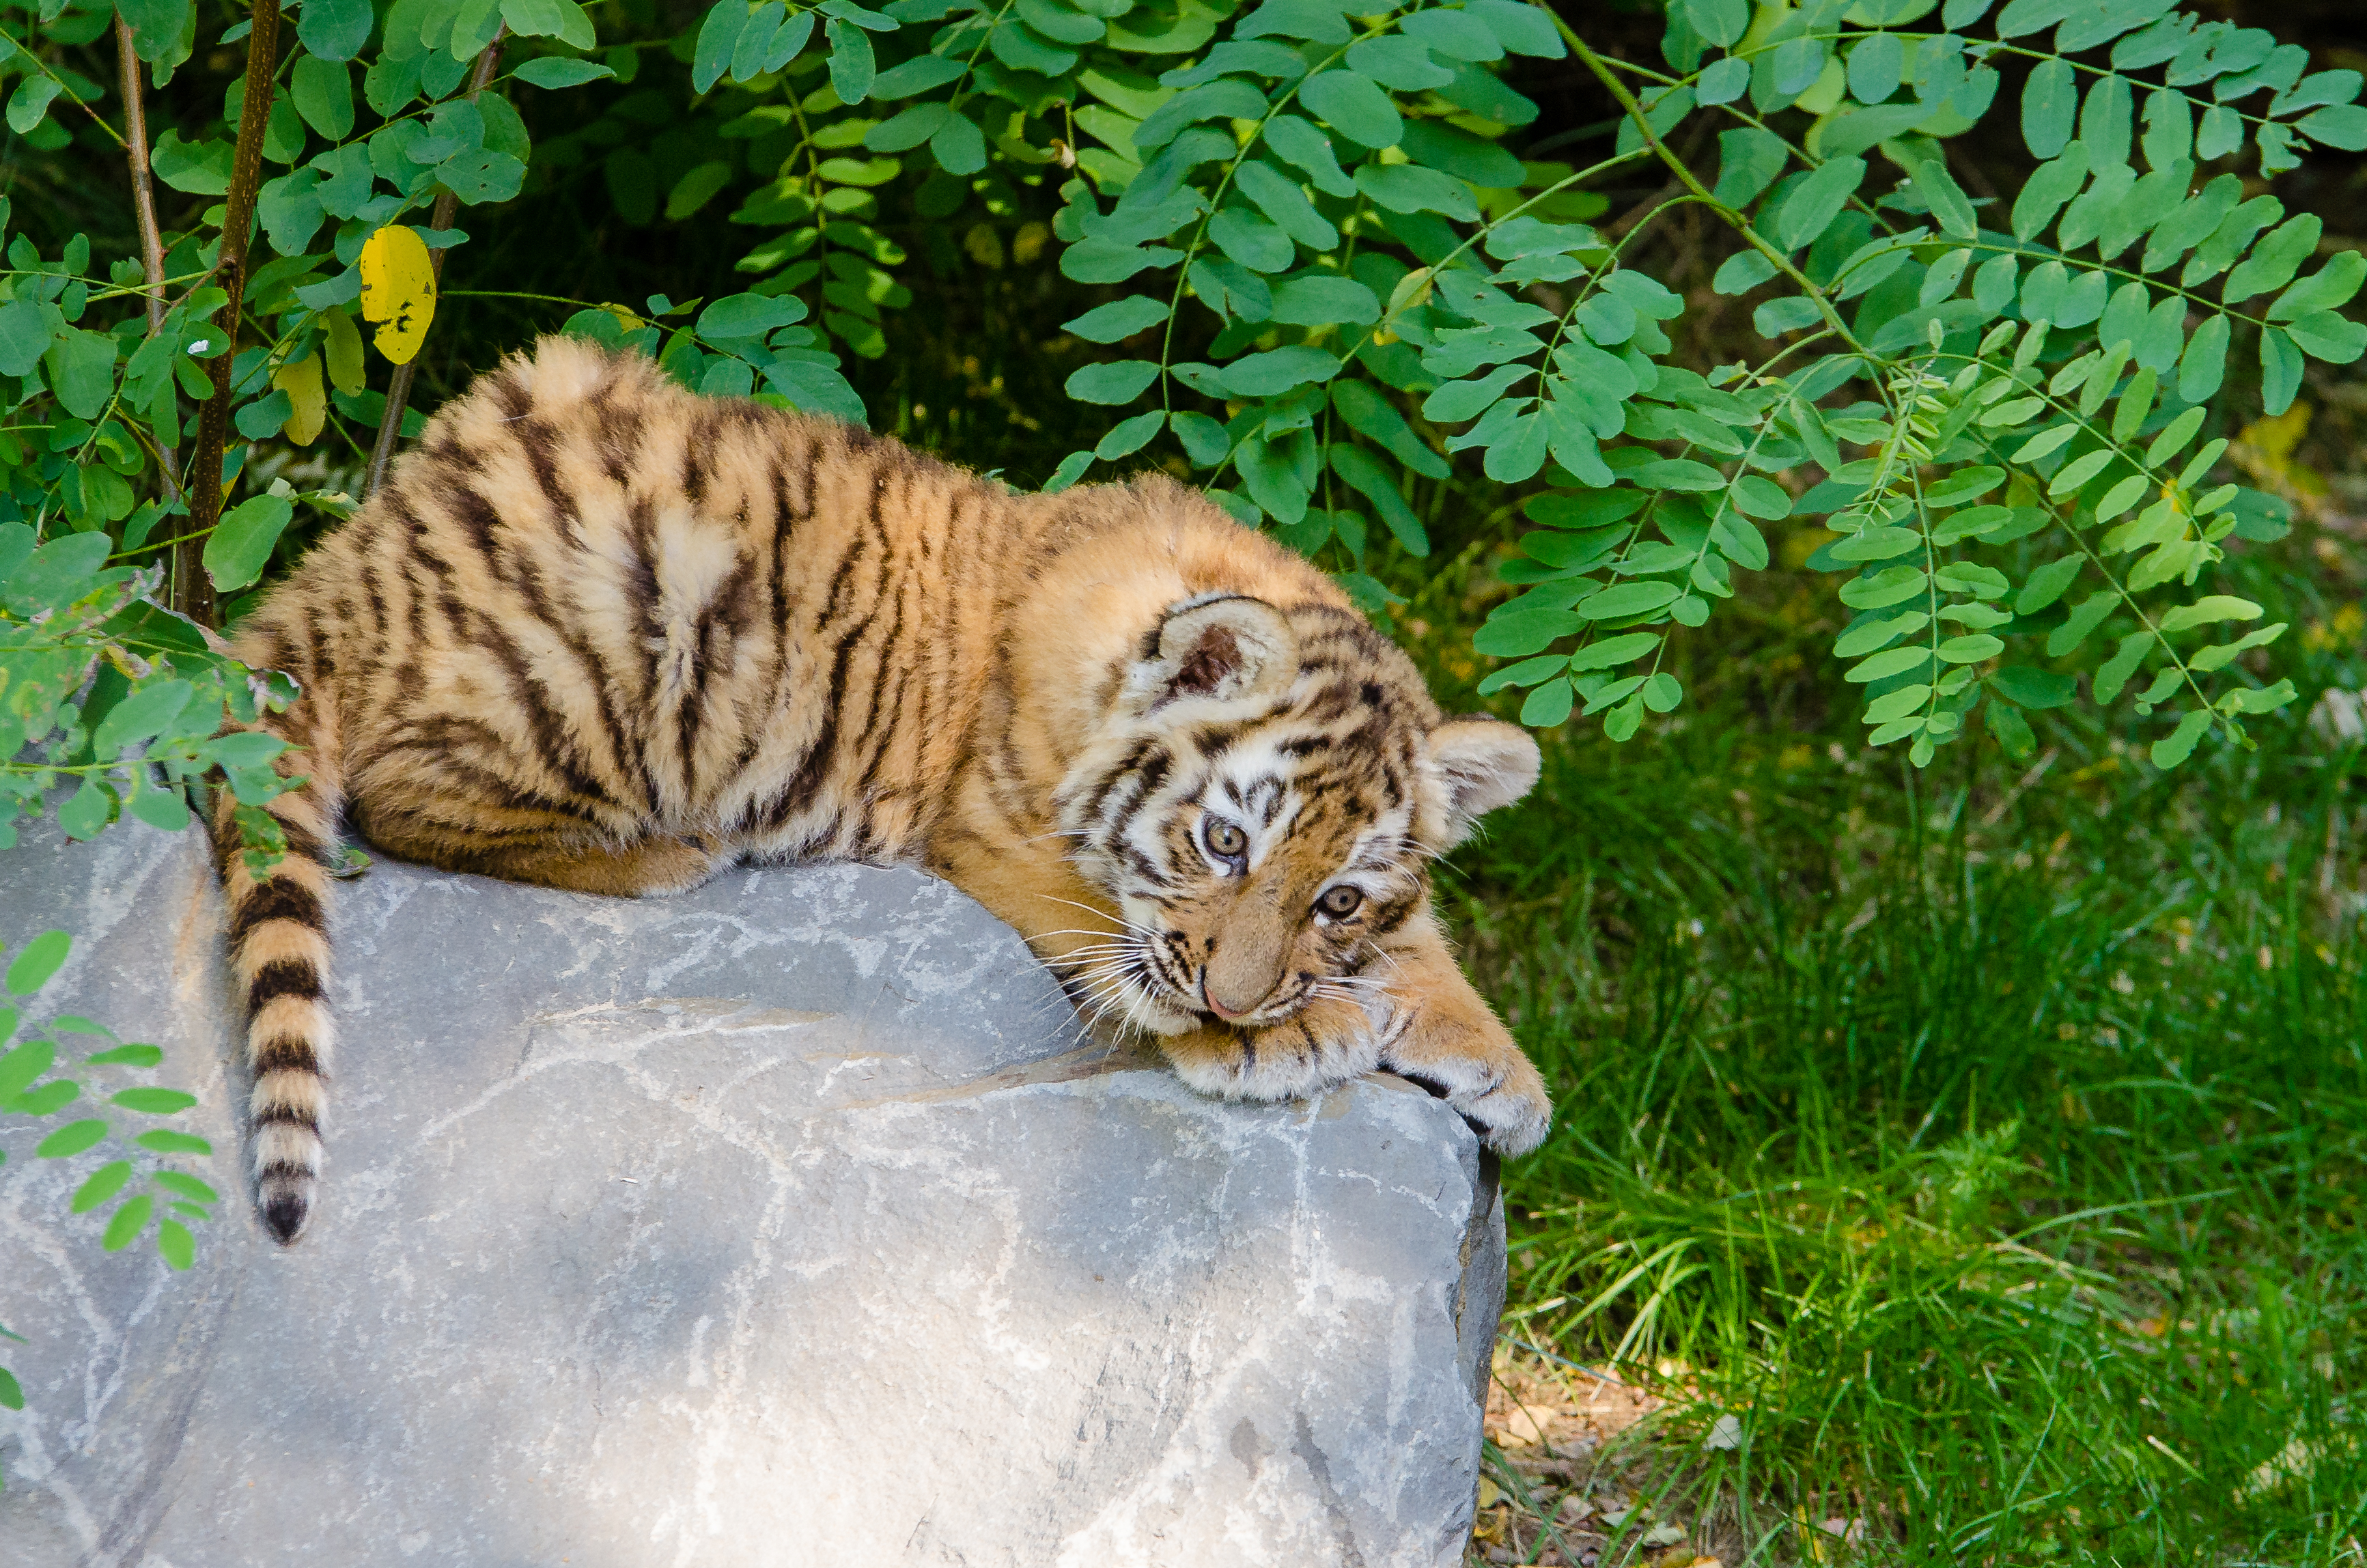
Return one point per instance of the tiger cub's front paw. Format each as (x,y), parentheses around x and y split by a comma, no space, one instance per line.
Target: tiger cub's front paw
(1470,1061)
(1319,1047)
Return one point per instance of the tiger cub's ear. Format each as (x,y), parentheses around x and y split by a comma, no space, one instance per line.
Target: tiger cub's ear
(1225,648)
(1485,763)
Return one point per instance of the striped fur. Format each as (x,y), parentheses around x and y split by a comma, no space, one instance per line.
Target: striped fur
(599,633)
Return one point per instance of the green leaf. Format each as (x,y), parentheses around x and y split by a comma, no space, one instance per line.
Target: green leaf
(1310,151)
(127,1056)
(2048,583)
(1816,201)
(1965,484)
(164,1141)
(1950,206)
(2343,126)
(852,65)
(1228,99)
(2175,435)
(175,1246)
(1896,661)
(1363,471)
(1129,436)
(553,71)
(1517,633)
(147,712)
(1277,371)
(2329,336)
(737,318)
(12,1396)
(24,336)
(103,1183)
(1548,705)
(334,30)
(22,1065)
(1875,631)
(1118,381)
(2049,99)
(1612,652)
(82,370)
(323,92)
(1722,22)
(2078,472)
(2280,370)
(154,1102)
(84,814)
(2178,744)
(2209,610)
(1118,319)
(240,545)
(1408,188)
(1676,474)
(719,35)
(2012,730)
(1969,649)
(1741,272)
(38,961)
(127,1223)
(1748,163)
(1627,599)
(2035,688)
(186,1186)
(2116,671)
(1319,301)
(2081,623)
(30,103)
(1885,588)
(1372,416)
(1354,107)
(2275,258)
(69,1140)
(1100,261)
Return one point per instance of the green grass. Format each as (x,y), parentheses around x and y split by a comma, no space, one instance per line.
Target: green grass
(1994,1153)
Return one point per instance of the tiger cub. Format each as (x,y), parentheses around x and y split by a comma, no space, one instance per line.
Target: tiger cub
(599,633)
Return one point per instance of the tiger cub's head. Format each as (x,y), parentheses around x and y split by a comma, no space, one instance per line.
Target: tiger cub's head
(1260,801)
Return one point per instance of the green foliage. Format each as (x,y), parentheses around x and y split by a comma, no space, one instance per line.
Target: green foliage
(28,1089)
(103,689)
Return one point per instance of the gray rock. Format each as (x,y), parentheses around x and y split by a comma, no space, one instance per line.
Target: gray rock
(788,1222)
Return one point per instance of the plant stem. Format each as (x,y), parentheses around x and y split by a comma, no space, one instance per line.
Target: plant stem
(193,594)
(152,242)
(448,207)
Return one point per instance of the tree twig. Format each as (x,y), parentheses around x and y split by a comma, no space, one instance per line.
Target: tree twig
(143,206)
(447,207)
(193,595)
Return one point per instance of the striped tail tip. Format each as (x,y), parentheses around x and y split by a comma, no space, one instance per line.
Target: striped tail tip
(284,1199)
(287,1169)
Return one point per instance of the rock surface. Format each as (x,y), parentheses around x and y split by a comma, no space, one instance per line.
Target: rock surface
(788,1222)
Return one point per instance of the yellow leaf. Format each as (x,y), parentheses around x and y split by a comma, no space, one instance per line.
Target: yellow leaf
(301,382)
(344,348)
(398,290)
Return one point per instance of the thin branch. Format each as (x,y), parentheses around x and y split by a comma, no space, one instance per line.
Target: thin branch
(193,595)
(447,207)
(143,205)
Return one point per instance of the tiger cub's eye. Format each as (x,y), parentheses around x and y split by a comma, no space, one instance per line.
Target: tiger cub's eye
(1341,902)
(1225,841)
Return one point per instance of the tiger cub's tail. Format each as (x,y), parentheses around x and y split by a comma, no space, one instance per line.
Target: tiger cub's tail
(279,956)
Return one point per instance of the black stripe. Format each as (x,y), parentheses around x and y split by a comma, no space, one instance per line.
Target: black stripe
(278,898)
(288,1115)
(285,1053)
(283,977)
